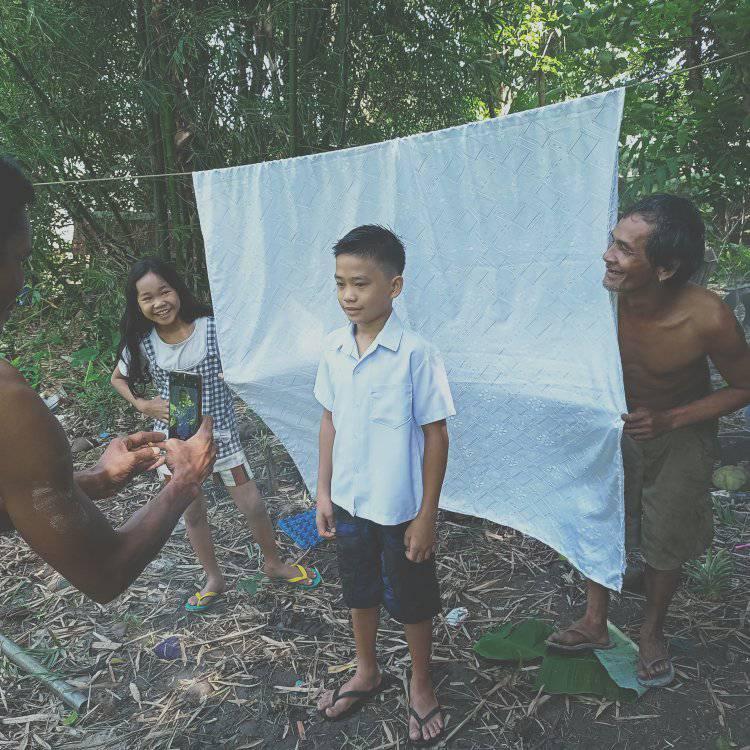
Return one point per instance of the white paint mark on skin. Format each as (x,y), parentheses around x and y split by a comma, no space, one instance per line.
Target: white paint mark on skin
(59,522)
(43,497)
(47,499)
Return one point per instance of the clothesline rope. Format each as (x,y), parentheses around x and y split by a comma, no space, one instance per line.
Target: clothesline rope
(628,85)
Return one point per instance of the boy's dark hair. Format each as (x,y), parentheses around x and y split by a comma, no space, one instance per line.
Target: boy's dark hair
(16,192)
(135,326)
(678,234)
(376,242)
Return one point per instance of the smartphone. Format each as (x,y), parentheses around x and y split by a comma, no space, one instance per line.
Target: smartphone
(185,404)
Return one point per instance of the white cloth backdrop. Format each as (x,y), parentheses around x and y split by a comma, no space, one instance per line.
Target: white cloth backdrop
(504,223)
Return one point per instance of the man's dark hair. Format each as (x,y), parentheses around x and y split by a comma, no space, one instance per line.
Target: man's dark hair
(16,192)
(376,242)
(678,234)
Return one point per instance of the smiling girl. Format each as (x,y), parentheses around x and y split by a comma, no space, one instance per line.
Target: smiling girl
(165,328)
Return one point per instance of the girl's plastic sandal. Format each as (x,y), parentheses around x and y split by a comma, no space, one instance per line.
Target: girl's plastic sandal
(205,601)
(305,580)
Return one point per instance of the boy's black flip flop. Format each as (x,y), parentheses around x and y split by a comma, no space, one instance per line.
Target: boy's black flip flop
(422,742)
(362,697)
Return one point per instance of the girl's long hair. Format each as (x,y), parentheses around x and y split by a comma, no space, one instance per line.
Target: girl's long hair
(134,325)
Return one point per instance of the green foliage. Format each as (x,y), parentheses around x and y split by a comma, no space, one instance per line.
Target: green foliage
(519,642)
(734,264)
(69,339)
(724,514)
(198,85)
(579,674)
(711,577)
(89,89)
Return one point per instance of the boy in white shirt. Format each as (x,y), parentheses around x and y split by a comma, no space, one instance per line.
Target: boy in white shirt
(383,452)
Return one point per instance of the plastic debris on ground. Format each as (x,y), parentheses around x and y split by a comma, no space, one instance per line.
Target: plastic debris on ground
(456,616)
(169,648)
(301,529)
(52,399)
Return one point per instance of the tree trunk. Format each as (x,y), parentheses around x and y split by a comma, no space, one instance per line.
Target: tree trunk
(153,132)
(541,88)
(292,78)
(167,126)
(693,54)
(342,97)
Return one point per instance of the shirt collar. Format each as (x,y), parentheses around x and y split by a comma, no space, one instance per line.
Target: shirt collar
(389,337)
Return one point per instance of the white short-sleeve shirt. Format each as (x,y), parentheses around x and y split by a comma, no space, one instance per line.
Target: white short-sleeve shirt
(379,402)
(184,355)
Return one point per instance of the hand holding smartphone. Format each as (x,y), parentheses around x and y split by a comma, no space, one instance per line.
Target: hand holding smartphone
(185,404)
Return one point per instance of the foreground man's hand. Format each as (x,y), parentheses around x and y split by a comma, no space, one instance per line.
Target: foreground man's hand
(192,460)
(127,457)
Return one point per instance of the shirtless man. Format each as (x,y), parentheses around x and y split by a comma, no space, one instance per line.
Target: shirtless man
(40,496)
(668,329)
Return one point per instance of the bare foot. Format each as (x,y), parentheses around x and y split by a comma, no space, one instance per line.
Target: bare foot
(654,652)
(423,700)
(358,682)
(218,586)
(283,571)
(581,631)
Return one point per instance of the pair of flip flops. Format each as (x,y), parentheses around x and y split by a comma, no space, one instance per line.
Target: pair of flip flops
(308,578)
(362,696)
(659,681)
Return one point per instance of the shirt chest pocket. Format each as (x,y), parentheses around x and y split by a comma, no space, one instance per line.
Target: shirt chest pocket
(390,405)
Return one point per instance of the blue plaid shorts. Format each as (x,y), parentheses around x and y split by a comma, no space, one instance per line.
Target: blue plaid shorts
(374,570)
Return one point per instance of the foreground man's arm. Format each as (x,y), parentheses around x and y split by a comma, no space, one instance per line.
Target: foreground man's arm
(50,510)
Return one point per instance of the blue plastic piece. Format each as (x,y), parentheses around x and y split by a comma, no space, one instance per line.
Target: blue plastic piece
(24,296)
(169,648)
(301,529)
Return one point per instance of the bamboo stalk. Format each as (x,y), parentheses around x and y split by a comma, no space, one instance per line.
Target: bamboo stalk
(28,664)
(292,73)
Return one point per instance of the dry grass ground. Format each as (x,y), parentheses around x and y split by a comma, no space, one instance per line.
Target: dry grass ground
(250,670)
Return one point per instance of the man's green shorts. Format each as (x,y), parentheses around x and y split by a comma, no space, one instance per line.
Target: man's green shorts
(667,501)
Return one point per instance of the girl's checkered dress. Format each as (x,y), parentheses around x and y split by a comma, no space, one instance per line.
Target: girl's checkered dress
(217,398)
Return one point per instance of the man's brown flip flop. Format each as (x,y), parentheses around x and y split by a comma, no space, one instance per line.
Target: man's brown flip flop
(575,647)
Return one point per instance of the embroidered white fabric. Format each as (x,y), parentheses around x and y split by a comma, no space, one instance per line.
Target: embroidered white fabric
(504,223)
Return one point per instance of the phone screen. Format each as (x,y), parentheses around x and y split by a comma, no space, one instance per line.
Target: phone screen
(185,407)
